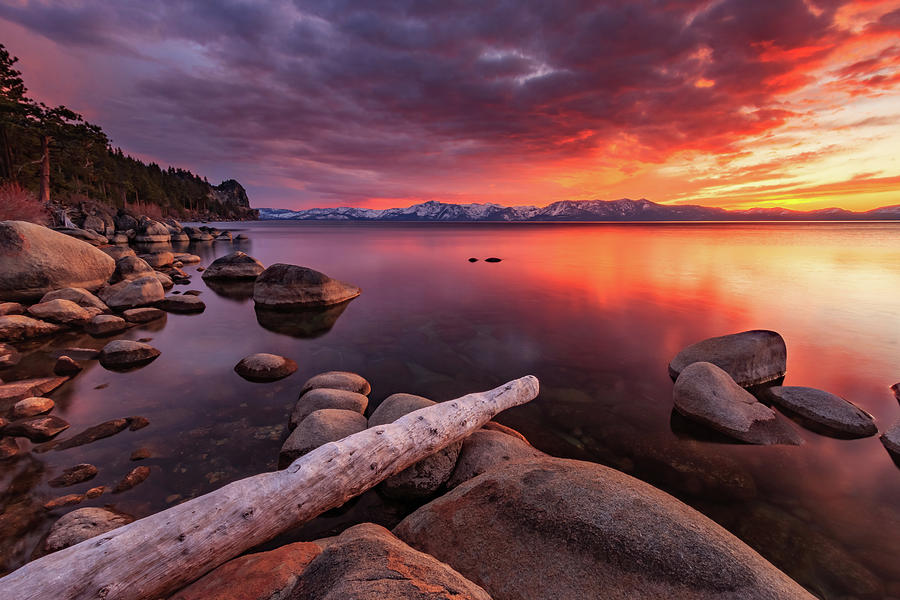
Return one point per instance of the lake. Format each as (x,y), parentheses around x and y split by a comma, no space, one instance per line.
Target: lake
(595,311)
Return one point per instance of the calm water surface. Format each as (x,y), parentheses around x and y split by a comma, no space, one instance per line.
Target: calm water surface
(596,311)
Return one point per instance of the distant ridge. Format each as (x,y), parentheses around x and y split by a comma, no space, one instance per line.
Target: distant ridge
(575,210)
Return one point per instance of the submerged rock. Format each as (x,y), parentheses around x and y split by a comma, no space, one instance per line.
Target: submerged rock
(320,427)
(67,367)
(705,393)
(123,354)
(367,561)
(319,398)
(74,475)
(35,260)
(236,265)
(284,286)
(829,412)
(554,528)
(749,357)
(79,296)
(426,476)
(134,477)
(91,434)
(263,367)
(32,407)
(298,323)
(37,429)
(105,325)
(143,315)
(337,380)
(16,328)
(133,293)
(11,393)
(486,450)
(182,304)
(63,501)
(82,524)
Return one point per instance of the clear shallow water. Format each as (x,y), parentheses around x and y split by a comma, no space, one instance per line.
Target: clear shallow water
(596,311)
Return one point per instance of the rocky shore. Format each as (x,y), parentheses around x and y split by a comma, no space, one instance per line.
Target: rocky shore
(498,518)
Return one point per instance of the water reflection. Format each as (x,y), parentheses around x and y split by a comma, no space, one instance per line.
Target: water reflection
(305,323)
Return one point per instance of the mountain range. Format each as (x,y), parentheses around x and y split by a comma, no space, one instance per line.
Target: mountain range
(575,210)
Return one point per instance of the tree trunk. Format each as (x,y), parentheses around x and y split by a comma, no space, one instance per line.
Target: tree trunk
(45,169)
(156,555)
(6,172)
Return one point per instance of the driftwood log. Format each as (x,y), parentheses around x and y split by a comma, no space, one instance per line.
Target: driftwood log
(161,553)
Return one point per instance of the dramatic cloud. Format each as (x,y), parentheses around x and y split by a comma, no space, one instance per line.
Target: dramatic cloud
(336,102)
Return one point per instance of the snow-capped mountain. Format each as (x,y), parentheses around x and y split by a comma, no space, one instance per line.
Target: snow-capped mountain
(572,210)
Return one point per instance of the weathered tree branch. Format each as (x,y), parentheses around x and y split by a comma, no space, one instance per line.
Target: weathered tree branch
(156,555)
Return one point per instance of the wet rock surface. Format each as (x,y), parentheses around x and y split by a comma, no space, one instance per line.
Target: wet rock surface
(264,367)
(124,354)
(66,366)
(831,414)
(890,439)
(32,407)
(9,356)
(89,435)
(749,357)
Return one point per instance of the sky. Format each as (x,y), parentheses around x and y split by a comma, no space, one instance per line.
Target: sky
(731,103)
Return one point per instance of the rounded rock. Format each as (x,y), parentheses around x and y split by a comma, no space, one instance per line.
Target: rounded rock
(62,312)
(133,293)
(338,380)
(82,524)
(236,265)
(749,357)
(288,287)
(320,427)
(319,398)
(264,367)
(123,354)
(829,412)
(32,407)
(105,325)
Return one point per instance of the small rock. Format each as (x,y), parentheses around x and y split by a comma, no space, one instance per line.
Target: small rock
(95,492)
(105,325)
(15,328)
(67,500)
(123,354)
(320,427)
(200,269)
(830,412)
(8,448)
(62,312)
(66,367)
(159,259)
(187,259)
(705,393)
(135,476)
(79,296)
(319,398)
(473,259)
(192,292)
(82,524)
(74,475)
(143,315)
(141,454)
(11,308)
(9,356)
(135,423)
(182,304)
(492,259)
(749,357)
(10,393)
(338,380)
(487,450)
(32,407)
(37,429)
(265,367)
(236,265)
(890,439)
(164,280)
(288,287)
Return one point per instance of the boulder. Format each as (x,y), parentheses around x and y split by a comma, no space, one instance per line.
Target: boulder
(124,354)
(289,286)
(78,353)
(95,224)
(264,367)
(105,325)
(134,477)
(164,280)
(82,524)
(271,575)
(85,235)
(79,296)
(338,380)
(143,315)
(9,356)
(225,236)
(197,235)
(35,260)
(890,439)
(486,450)
(320,398)
(37,429)
(66,367)
(182,304)
(707,394)
(236,265)
(133,293)
(555,528)
(135,423)
(11,393)
(62,312)
(125,222)
(131,267)
(150,231)
(824,411)
(320,427)
(158,259)
(426,476)
(118,238)
(15,328)
(74,475)
(117,252)
(749,357)
(367,561)
(32,407)
(11,308)
(187,259)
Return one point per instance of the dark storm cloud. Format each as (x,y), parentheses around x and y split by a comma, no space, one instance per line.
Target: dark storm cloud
(351,100)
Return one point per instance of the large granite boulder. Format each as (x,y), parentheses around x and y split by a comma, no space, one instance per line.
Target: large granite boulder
(150,231)
(427,476)
(62,312)
(485,450)
(320,398)
(35,260)
(15,328)
(125,354)
(82,524)
(130,267)
(133,293)
(288,287)
(824,411)
(366,561)
(271,575)
(337,380)
(262,367)
(749,357)
(236,265)
(555,528)
(79,296)
(707,394)
(320,427)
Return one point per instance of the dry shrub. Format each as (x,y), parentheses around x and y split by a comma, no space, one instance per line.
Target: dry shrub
(19,204)
(153,211)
